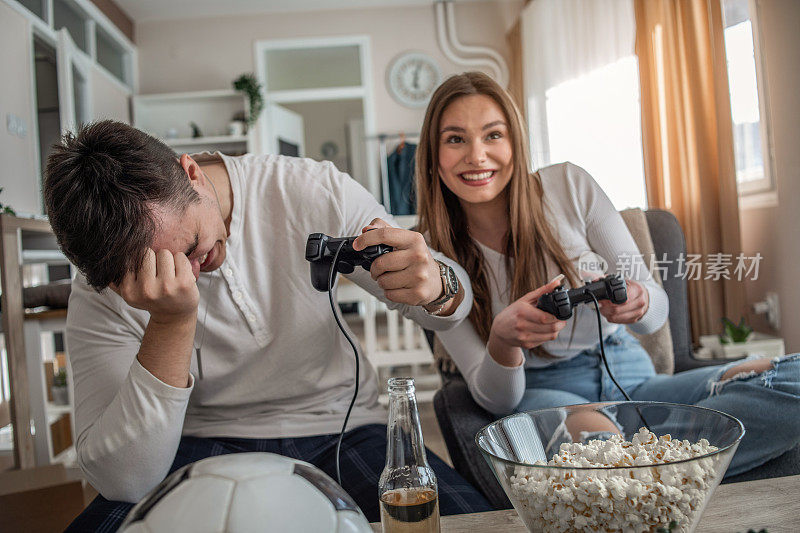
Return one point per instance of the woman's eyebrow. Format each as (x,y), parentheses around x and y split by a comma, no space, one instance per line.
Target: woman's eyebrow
(193,246)
(495,123)
(452,128)
(462,130)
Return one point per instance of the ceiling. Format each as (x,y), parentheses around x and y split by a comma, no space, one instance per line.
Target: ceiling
(141,10)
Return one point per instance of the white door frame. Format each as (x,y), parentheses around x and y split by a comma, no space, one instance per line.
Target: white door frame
(364,91)
(67,59)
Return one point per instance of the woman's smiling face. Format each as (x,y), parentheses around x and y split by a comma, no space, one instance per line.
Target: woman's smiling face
(475,149)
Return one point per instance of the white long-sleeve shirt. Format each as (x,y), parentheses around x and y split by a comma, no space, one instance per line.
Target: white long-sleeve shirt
(584,220)
(274,361)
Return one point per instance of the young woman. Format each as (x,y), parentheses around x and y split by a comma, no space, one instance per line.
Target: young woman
(513,230)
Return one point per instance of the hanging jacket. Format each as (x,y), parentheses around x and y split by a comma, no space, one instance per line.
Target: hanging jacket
(400,165)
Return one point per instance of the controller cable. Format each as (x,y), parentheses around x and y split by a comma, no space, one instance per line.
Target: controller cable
(331,275)
(603,356)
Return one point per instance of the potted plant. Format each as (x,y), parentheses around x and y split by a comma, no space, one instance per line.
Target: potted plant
(60,395)
(248,84)
(734,333)
(739,340)
(4,209)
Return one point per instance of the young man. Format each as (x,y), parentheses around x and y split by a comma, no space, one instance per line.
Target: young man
(195,268)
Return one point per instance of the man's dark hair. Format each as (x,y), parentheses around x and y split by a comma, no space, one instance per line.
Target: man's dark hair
(99,190)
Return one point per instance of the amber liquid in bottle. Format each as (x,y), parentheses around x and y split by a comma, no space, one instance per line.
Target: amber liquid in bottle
(407,489)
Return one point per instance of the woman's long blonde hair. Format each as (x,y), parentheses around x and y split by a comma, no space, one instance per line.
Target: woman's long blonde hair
(530,240)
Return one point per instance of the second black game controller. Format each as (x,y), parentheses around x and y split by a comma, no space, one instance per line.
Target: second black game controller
(561,301)
(321,248)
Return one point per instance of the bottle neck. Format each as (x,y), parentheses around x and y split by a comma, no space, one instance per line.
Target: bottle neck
(405,446)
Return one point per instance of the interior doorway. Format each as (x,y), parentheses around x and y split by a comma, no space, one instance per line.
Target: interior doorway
(325,82)
(48,112)
(326,131)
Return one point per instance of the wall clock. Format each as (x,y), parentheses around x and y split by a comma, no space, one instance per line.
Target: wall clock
(412,78)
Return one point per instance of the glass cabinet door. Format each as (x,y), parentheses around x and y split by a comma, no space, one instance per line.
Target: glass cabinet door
(73,85)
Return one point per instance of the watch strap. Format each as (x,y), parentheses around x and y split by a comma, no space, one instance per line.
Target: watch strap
(447,294)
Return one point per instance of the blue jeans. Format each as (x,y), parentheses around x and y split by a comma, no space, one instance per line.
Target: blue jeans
(362,461)
(767,403)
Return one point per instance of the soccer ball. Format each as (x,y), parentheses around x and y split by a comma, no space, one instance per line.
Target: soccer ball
(245,492)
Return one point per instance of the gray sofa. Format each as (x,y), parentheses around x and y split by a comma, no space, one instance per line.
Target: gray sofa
(460,417)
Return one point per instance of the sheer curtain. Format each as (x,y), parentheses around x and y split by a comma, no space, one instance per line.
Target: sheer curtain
(581,86)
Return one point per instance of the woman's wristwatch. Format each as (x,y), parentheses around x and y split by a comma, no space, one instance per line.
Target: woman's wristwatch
(450,288)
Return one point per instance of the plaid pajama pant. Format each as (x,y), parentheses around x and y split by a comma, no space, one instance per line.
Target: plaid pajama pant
(362,461)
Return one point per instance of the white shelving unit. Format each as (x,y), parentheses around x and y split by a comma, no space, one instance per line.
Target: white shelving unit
(212,111)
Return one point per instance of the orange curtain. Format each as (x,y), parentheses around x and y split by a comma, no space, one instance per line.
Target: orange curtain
(688,141)
(515,83)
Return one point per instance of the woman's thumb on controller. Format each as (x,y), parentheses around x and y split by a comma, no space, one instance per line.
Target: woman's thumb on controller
(550,286)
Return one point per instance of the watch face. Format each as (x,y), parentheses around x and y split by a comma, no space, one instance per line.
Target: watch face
(412,79)
(452,280)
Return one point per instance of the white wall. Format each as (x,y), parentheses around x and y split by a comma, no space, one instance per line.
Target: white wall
(773,231)
(18,155)
(199,54)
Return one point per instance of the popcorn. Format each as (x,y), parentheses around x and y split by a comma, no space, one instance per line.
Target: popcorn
(642,498)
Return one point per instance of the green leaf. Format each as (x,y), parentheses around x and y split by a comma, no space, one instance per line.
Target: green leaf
(248,84)
(733,332)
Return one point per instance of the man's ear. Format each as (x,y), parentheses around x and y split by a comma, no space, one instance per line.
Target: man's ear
(191,168)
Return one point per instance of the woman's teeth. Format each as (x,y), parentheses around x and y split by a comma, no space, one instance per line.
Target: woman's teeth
(478,176)
(203,259)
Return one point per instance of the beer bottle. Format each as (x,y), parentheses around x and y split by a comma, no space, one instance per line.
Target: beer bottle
(409,498)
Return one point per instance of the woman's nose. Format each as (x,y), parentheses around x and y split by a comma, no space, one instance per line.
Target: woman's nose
(476,154)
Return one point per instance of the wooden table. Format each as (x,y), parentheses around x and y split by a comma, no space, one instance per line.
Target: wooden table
(773,504)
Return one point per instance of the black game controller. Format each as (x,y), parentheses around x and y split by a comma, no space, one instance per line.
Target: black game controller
(561,301)
(321,248)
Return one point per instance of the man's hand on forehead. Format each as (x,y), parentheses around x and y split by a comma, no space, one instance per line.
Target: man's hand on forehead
(164,286)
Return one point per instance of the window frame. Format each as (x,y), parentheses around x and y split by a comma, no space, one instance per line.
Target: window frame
(757,192)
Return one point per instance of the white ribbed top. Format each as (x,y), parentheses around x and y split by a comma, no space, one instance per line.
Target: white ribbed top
(584,220)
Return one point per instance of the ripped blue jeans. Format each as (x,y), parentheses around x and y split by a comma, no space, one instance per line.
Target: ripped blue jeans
(767,403)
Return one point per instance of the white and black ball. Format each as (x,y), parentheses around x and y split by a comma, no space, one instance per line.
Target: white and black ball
(247,492)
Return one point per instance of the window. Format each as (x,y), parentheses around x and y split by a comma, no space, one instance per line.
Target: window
(593,121)
(110,55)
(313,68)
(36,7)
(749,132)
(581,82)
(67,15)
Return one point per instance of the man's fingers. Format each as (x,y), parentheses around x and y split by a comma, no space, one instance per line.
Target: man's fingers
(165,266)
(183,267)
(395,280)
(397,238)
(148,269)
(398,260)
(375,224)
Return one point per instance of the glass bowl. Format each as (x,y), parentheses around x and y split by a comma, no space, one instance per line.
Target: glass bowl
(646,485)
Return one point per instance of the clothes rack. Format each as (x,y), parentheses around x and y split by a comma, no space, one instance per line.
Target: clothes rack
(382,139)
